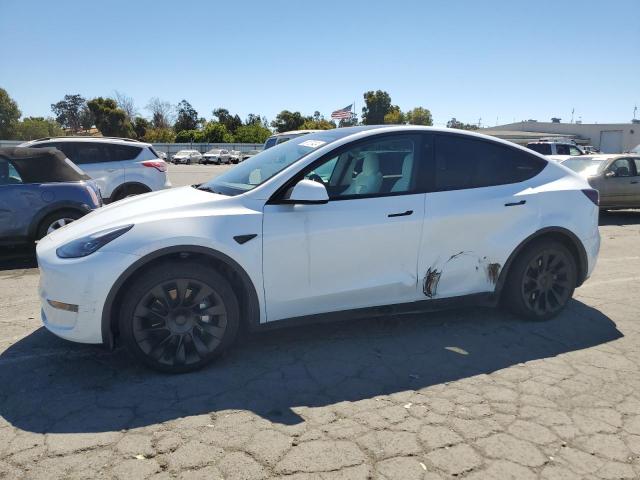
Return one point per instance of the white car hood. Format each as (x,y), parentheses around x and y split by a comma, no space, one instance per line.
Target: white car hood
(154,206)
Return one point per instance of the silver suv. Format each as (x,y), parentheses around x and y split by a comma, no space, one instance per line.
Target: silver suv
(121,167)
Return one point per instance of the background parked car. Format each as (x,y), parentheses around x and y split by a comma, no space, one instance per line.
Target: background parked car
(41,191)
(187,157)
(249,154)
(279,138)
(120,167)
(616,177)
(555,148)
(216,155)
(235,156)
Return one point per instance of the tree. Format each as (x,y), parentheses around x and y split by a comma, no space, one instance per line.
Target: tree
(419,116)
(9,115)
(38,127)
(110,120)
(322,124)
(86,118)
(71,113)
(377,105)
(187,117)
(159,135)
(252,119)
(188,136)
(286,121)
(252,133)
(216,132)
(140,126)
(127,104)
(231,122)
(161,113)
(453,123)
(395,116)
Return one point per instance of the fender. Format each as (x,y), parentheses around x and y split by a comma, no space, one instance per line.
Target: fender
(572,237)
(124,186)
(53,207)
(252,305)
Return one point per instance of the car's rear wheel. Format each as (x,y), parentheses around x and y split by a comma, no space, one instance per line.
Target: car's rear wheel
(541,280)
(55,221)
(179,316)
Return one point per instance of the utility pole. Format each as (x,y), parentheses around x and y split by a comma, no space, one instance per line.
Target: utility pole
(572,111)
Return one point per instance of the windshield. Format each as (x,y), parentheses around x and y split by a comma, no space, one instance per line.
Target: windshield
(585,166)
(182,153)
(216,152)
(261,167)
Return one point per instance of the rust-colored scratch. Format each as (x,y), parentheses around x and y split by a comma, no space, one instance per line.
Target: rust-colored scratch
(493,271)
(430,282)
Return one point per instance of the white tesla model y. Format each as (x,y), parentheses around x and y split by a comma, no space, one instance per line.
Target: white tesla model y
(348,222)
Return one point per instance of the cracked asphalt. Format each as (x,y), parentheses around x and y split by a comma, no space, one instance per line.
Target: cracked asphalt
(473,394)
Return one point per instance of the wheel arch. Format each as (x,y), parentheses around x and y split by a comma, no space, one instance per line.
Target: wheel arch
(240,282)
(43,213)
(129,185)
(566,237)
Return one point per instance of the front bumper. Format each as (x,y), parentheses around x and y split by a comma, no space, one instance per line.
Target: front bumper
(82,282)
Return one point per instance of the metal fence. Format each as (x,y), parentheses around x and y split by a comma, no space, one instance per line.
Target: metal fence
(172,148)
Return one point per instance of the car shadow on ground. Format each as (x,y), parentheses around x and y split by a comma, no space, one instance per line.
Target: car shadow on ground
(619,217)
(19,257)
(49,385)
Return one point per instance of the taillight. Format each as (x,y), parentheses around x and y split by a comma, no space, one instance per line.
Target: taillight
(592,195)
(159,165)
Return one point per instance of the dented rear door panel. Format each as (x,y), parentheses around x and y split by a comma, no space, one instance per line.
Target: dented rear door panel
(468,236)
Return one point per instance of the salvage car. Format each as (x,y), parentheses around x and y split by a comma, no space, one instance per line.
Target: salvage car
(616,177)
(343,223)
(41,191)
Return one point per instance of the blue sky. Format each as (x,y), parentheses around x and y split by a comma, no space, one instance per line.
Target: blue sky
(499,60)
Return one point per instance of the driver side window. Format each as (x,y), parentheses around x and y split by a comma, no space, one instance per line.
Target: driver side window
(621,168)
(377,167)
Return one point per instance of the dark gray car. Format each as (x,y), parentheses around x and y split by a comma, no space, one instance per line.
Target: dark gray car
(40,191)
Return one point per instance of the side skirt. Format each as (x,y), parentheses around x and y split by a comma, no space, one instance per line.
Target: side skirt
(488,299)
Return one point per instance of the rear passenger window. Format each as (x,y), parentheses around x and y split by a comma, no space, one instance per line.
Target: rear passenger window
(637,162)
(563,149)
(543,148)
(469,163)
(90,153)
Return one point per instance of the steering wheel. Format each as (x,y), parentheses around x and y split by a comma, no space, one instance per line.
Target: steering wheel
(314,177)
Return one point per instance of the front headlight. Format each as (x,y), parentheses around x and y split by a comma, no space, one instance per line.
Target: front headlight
(87,245)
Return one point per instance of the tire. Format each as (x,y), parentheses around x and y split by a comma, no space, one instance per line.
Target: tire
(56,220)
(541,280)
(162,322)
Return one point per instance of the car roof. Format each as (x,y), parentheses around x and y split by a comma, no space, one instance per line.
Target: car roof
(71,138)
(295,132)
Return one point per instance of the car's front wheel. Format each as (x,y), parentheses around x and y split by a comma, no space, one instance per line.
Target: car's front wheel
(542,280)
(55,221)
(179,316)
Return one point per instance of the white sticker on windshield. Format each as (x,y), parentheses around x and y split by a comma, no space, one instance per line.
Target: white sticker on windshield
(312,143)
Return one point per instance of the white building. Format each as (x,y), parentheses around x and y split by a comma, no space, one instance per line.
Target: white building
(607,137)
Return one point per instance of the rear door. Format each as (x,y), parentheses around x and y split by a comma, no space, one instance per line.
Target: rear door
(478,209)
(95,159)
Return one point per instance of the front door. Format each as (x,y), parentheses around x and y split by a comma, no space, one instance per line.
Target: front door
(616,187)
(358,250)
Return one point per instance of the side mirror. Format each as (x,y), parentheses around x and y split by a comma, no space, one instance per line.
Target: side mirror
(307,192)
(610,174)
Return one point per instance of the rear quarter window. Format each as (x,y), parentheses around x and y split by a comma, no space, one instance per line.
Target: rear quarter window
(462,163)
(119,153)
(543,148)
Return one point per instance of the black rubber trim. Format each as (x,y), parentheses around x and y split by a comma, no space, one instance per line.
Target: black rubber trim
(252,305)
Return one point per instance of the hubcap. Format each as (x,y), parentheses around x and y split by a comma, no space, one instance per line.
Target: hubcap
(546,287)
(61,222)
(179,322)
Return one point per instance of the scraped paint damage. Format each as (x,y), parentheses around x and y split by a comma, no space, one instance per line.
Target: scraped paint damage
(432,277)
(430,282)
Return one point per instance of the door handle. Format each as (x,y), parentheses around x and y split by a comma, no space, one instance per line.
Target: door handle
(111,170)
(634,181)
(403,214)
(513,204)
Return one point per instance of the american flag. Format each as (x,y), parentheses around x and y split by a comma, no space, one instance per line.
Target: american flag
(343,113)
